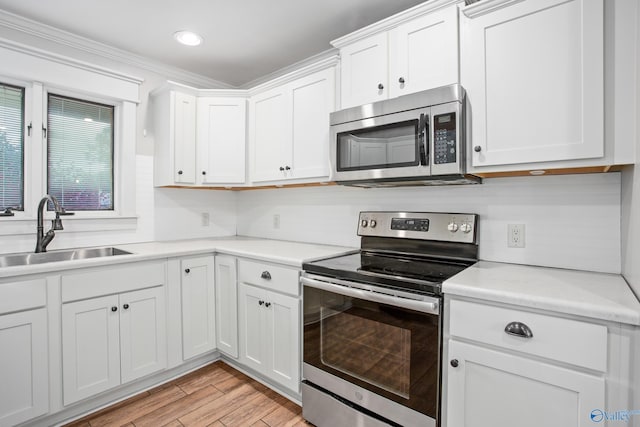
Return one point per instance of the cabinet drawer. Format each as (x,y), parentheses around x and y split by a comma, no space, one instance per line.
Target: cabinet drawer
(22,295)
(110,280)
(571,341)
(277,278)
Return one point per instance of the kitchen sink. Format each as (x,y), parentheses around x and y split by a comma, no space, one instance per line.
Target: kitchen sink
(12,260)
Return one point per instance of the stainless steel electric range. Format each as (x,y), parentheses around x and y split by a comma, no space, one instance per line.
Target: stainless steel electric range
(372,328)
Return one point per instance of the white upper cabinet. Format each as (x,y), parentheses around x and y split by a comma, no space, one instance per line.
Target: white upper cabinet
(221,140)
(534,76)
(199,140)
(364,71)
(289,128)
(409,52)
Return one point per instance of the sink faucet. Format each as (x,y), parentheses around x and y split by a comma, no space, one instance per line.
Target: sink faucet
(56,224)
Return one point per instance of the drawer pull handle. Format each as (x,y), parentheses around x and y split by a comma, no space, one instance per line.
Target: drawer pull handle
(519,330)
(454,363)
(266,275)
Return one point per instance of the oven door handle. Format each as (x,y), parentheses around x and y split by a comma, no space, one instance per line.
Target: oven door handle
(426,304)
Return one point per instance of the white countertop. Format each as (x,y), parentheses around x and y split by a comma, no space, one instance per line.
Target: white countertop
(595,295)
(277,251)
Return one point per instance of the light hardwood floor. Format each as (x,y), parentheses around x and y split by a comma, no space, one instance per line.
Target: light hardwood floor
(215,395)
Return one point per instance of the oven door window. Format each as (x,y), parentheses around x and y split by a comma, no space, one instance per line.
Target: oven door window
(378,147)
(391,351)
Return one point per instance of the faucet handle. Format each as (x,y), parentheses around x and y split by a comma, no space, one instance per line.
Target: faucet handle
(64,212)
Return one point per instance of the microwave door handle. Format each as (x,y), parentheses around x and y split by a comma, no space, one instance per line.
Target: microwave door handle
(423,139)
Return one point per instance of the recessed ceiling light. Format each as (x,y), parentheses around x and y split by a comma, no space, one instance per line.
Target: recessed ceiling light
(187,38)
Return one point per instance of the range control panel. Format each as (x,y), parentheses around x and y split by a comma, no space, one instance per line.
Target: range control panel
(447,227)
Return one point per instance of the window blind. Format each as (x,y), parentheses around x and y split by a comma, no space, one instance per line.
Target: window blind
(11,146)
(80,153)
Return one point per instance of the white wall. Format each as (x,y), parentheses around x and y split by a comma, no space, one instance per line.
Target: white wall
(572,221)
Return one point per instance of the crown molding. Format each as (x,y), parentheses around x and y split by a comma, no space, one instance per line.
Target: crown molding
(61,37)
(295,71)
(487,6)
(393,21)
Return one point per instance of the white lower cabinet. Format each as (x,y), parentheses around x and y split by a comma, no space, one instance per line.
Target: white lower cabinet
(110,340)
(226,305)
(489,387)
(23,367)
(198,306)
(269,334)
(552,372)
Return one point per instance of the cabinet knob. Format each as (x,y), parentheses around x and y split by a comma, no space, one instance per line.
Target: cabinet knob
(477,148)
(204,172)
(260,302)
(179,172)
(281,169)
(187,270)
(454,363)
(519,330)
(380,86)
(114,308)
(125,306)
(401,80)
(287,168)
(266,275)
(267,304)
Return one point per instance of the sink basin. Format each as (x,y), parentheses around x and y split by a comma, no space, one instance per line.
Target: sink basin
(12,260)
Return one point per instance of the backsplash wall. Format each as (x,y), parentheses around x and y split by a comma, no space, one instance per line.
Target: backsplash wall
(571,221)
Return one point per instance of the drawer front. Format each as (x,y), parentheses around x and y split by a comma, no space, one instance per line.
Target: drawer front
(22,295)
(270,276)
(570,341)
(110,280)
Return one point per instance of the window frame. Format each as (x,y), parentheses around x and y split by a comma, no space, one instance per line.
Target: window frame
(115,191)
(116,212)
(22,87)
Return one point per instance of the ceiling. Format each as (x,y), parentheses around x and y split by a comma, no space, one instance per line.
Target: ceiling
(243,39)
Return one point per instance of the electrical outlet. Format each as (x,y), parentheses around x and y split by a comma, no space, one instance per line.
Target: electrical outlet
(515,236)
(276,221)
(206,219)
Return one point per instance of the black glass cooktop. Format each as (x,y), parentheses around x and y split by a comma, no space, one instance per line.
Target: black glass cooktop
(417,274)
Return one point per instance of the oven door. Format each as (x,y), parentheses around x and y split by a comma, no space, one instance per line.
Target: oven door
(378,351)
(389,146)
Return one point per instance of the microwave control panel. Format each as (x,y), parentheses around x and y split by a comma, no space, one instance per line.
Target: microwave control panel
(444,142)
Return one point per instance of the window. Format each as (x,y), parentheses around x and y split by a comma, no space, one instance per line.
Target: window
(11,146)
(80,153)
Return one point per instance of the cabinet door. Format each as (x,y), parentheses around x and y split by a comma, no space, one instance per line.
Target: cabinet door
(221,140)
(533,71)
(143,333)
(23,371)
(283,323)
(184,137)
(493,388)
(270,133)
(424,53)
(253,327)
(226,305)
(198,306)
(313,98)
(364,70)
(90,347)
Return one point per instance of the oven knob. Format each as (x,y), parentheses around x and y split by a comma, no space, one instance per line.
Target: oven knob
(373,223)
(452,227)
(364,223)
(465,228)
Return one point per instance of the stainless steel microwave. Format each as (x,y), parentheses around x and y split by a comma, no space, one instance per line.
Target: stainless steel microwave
(416,139)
